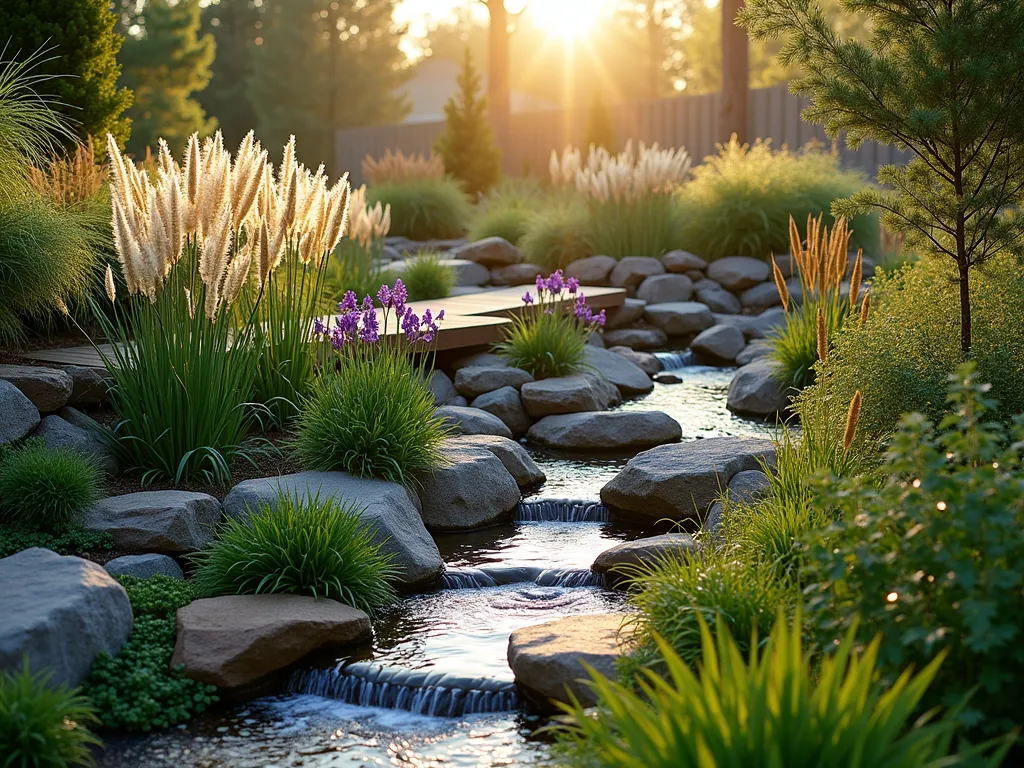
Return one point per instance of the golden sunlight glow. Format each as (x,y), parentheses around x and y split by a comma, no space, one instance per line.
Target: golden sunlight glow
(569,20)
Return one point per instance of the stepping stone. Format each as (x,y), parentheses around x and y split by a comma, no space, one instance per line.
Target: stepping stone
(569,394)
(719,343)
(645,361)
(606,431)
(170,522)
(507,405)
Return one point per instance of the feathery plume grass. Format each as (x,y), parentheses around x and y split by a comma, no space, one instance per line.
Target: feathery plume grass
(397,167)
(855,277)
(852,417)
(108,284)
(822,337)
(865,307)
(780,284)
(70,180)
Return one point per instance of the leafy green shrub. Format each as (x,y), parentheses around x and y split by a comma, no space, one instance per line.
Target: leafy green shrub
(425,277)
(508,222)
(901,356)
(137,690)
(773,710)
(934,558)
(41,725)
(557,236)
(739,201)
(306,546)
(70,541)
(424,209)
(46,489)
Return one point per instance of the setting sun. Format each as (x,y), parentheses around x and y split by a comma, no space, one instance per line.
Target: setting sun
(567,19)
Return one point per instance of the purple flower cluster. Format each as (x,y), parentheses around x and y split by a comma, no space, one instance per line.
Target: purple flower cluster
(550,295)
(360,323)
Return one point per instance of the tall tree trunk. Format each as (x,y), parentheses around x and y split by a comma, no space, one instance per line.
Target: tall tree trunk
(732,117)
(497,76)
(965,313)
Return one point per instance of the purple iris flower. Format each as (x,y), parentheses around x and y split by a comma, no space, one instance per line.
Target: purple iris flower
(555,283)
(367,304)
(348,304)
(370,332)
(318,327)
(572,284)
(399,296)
(541,286)
(527,298)
(600,319)
(384,296)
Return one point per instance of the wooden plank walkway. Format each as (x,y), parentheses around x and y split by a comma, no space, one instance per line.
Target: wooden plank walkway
(469,321)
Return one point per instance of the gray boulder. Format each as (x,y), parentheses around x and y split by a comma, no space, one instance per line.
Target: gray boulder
(737,273)
(620,370)
(510,453)
(480,359)
(606,430)
(680,481)
(595,339)
(756,326)
(719,343)
(459,401)
(569,394)
(636,338)
(506,404)
(88,385)
(472,421)
(466,272)
(754,350)
(622,558)
(761,297)
(719,300)
(47,388)
(442,387)
(625,314)
(659,289)
(389,509)
(756,391)
(631,271)
(144,566)
(645,361)
(20,416)
(748,486)
(474,381)
(60,434)
(61,612)
(171,522)
(474,490)
(491,252)
(515,274)
(679,318)
(683,261)
(593,270)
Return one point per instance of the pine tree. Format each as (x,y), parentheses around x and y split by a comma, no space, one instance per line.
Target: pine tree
(83,44)
(942,78)
(467,144)
(235,26)
(600,131)
(164,65)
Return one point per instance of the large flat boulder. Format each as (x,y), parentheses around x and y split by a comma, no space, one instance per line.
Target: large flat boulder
(629,555)
(755,326)
(473,491)
(171,522)
(636,338)
(61,612)
(517,461)
(491,252)
(737,273)
(680,481)
(605,430)
(475,380)
(718,299)
(390,510)
(622,370)
(547,659)
(679,318)
(507,405)
(47,388)
(683,261)
(756,391)
(144,566)
(59,434)
(237,640)
(625,314)
(472,421)
(20,416)
(645,361)
(719,343)
(569,394)
(659,289)
(593,270)
(633,270)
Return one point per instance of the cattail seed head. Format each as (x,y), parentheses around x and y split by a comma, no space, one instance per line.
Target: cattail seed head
(865,306)
(855,277)
(108,283)
(822,337)
(780,284)
(852,417)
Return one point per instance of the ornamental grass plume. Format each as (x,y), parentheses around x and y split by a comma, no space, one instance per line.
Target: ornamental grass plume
(852,417)
(368,224)
(780,284)
(822,337)
(397,167)
(865,307)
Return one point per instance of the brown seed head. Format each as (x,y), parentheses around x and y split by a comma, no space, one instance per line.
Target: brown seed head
(852,417)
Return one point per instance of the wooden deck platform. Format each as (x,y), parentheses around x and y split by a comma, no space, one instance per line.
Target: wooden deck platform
(469,321)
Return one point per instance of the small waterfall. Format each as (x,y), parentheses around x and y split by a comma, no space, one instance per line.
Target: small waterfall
(562,511)
(436,694)
(673,361)
(569,577)
(500,575)
(466,578)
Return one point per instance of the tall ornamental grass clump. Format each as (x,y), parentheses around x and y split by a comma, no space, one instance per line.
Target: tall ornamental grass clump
(424,209)
(357,261)
(370,414)
(44,489)
(630,196)
(426,277)
(186,357)
(398,167)
(775,707)
(301,545)
(548,337)
(557,235)
(740,200)
(933,558)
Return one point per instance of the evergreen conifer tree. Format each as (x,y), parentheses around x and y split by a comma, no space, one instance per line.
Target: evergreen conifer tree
(467,144)
(943,79)
(236,26)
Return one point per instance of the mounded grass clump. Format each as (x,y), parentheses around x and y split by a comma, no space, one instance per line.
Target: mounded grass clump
(298,545)
(45,489)
(42,725)
(544,346)
(424,209)
(510,223)
(558,235)
(739,201)
(425,277)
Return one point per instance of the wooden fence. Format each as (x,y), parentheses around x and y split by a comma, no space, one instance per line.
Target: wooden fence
(688,121)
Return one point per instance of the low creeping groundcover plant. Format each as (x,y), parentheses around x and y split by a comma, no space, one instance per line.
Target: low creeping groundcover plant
(298,545)
(775,709)
(548,337)
(370,413)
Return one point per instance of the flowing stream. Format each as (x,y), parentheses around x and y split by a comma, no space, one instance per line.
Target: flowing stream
(435,689)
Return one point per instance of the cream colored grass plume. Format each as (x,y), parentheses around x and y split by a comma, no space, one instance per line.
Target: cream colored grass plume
(367,224)
(636,171)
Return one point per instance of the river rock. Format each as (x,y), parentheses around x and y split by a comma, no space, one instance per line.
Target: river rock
(680,481)
(510,453)
(593,270)
(683,261)
(474,381)
(88,385)
(761,297)
(481,360)
(679,318)
(755,390)
(605,430)
(506,404)
(236,640)
(720,343)
(171,522)
(547,659)
(756,326)
(667,378)
(472,421)
(569,394)
(515,274)
(59,434)
(645,361)
(628,555)
(660,289)
(620,370)
(391,510)
(748,486)
(626,314)
(737,273)
(144,566)
(459,402)
(491,252)
(47,388)
(636,338)
(595,339)
(440,384)
(719,300)
(631,271)
(754,350)
(474,490)
(20,416)
(61,612)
